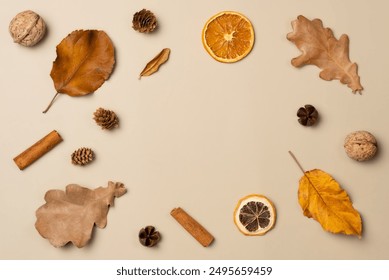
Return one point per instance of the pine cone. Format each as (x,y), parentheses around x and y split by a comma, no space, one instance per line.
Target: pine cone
(308,115)
(83,156)
(106,119)
(144,21)
(149,236)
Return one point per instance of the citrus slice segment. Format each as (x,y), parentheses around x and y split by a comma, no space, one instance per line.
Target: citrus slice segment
(228,36)
(254,214)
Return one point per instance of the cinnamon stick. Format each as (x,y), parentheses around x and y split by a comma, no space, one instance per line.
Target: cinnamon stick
(192,226)
(37,150)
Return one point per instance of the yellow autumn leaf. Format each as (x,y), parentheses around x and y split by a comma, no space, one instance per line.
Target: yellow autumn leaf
(322,199)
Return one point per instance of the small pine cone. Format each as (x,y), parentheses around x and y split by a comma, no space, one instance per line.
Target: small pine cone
(144,21)
(106,119)
(308,115)
(83,156)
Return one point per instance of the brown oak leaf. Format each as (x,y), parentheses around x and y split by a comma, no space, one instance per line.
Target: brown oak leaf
(320,47)
(70,216)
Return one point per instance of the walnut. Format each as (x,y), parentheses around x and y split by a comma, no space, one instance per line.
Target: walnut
(360,145)
(27,28)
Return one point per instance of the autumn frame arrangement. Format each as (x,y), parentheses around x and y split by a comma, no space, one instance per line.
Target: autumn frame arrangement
(85,60)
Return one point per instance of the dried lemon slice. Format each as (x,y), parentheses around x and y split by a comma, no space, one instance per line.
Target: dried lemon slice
(228,36)
(254,214)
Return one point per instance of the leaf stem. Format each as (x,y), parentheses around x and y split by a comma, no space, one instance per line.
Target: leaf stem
(305,174)
(51,103)
(297,162)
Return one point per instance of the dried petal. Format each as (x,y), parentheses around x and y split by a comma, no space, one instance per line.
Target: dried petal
(155,63)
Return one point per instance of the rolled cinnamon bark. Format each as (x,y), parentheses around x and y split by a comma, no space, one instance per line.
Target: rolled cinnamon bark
(37,150)
(192,226)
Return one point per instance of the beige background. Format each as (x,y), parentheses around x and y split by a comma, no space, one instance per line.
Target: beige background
(198,134)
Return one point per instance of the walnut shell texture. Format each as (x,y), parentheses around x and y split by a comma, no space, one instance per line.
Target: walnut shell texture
(27,28)
(360,145)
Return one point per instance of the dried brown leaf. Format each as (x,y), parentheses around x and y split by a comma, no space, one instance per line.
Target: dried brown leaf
(69,216)
(155,63)
(320,47)
(85,60)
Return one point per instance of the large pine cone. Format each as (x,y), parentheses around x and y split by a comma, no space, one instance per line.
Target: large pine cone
(106,119)
(83,156)
(144,21)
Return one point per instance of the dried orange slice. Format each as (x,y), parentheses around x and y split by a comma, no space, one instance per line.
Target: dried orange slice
(228,36)
(254,214)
